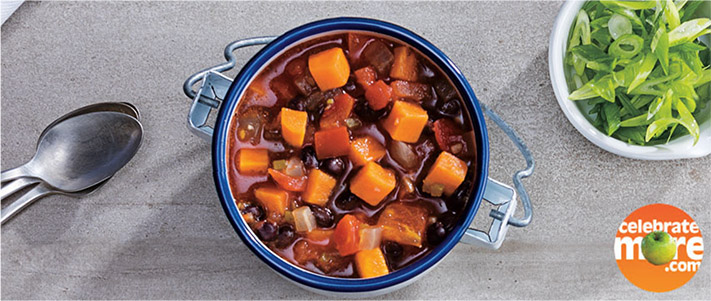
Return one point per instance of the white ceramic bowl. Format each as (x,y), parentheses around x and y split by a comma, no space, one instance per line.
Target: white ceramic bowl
(679,148)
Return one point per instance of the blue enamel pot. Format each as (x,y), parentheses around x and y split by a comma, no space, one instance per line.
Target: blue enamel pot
(217,91)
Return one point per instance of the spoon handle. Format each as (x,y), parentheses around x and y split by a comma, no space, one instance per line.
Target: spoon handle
(12,187)
(14,173)
(24,201)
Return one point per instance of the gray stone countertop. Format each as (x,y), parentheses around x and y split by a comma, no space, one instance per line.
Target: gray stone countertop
(157,230)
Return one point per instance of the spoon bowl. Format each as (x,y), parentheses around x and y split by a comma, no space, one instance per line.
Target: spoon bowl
(82,151)
(121,107)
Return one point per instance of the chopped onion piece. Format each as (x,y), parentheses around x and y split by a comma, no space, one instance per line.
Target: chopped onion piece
(619,26)
(403,154)
(295,168)
(370,238)
(304,220)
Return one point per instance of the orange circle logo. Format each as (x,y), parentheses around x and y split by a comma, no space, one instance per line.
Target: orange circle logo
(659,248)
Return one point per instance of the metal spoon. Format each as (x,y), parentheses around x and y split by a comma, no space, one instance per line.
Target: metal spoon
(121,107)
(77,154)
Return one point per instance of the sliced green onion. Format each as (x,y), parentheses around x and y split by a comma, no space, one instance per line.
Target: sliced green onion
(671,14)
(688,31)
(643,69)
(635,121)
(660,47)
(619,26)
(626,46)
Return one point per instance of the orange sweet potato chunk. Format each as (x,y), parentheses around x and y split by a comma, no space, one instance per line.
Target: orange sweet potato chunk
(318,188)
(336,114)
(371,263)
(252,161)
(445,175)
(331,143)
(406,121)
(373,183)
(404,223)
(404,64)
(274,200)
(329,68)
(365,149)
(293,126)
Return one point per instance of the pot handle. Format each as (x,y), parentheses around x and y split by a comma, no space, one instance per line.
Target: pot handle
(213,88)
(504,196)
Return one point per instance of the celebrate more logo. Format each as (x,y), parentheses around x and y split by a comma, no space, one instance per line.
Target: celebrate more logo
(658,247)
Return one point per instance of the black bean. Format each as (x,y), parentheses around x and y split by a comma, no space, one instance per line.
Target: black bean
(297,103)
(347,201)
(308,156)
(272,134)
(324,217)
(266,231)
(436,233)
(460,197)
(334,166)
(430,103)
(285,236)
(450,108)
(352,88)
(392,250)
(444,90)
(448,219)
(256,212)
(365,112)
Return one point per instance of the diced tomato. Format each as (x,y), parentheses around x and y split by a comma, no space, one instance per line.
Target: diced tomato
(365,76)
(283,89)
(410,90)
(288,182)
(336,114)
(346,235)
(296,67)
(448,136)
(378,95)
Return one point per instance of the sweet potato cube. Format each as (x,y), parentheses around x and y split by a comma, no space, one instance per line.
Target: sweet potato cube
(329,68)
(406,121)
(365,76)
(293,126)
(404,64)
(371,263)
(318,188)
(373,183)
(404,224)
(365,149)
(333,142)
(252,161)
(274,200)
(445,175)
(336,114)
(378,95)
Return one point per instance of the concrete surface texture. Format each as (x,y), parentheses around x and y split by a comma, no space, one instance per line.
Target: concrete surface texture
(156,230)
